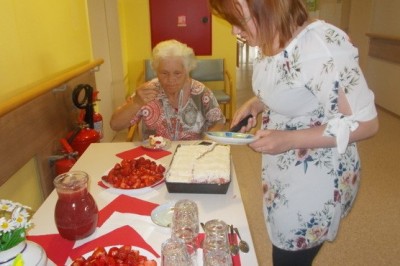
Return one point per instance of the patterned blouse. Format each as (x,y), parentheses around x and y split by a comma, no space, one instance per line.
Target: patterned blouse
(308,191)
(200,112)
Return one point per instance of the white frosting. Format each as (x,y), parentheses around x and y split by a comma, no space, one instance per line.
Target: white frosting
(213,166)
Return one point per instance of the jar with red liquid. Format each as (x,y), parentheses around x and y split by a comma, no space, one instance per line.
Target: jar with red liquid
(76,212)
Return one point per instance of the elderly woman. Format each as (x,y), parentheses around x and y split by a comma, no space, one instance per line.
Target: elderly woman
(173,105)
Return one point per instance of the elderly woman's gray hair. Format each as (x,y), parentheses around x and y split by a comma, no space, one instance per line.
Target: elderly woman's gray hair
(173,48)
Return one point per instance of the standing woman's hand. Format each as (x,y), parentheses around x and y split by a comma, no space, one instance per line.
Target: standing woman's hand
(253,106)
(273,141)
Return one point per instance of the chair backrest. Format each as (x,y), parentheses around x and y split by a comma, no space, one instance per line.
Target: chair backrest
(206,70)
(209,70)
(149,73)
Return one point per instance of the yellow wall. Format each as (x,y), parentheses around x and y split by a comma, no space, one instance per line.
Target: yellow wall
(24,187)
(40,38)
(135,28)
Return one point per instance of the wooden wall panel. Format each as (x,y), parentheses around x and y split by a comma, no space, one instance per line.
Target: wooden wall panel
(384,47)
(33,130)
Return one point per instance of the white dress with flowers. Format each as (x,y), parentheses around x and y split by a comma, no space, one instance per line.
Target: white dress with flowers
(308,191)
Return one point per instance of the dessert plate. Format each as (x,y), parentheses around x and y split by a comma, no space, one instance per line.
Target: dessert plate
(146,145)
(233,138)
(162,215)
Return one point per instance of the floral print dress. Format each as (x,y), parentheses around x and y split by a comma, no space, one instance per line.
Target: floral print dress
(188,122)
(308,191)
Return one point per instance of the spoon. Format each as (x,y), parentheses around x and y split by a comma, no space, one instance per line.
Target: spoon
(203,226)
(233,247)
(243,246)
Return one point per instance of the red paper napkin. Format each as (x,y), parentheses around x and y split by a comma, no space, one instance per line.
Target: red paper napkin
(140,151)
(125,204)
(57,248)
(125,235)
(100,183)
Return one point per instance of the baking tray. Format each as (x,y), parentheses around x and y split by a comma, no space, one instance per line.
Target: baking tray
(197,188)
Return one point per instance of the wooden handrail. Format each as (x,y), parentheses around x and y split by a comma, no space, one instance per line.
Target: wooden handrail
(383,36)
(384,47)
(43,87)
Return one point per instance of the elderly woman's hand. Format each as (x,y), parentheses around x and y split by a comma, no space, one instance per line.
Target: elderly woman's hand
(145,93)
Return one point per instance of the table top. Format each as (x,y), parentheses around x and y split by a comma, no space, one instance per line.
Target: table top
(99,158)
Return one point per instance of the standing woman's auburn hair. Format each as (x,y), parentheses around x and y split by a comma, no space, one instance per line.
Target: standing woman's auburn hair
(271,17)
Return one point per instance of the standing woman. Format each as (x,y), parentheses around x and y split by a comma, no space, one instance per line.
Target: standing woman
(315,105)
(173,105)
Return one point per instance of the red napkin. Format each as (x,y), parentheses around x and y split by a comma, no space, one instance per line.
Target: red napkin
(57,248)
(235,259)
(140,151)
(125,204)
(100,183)
(121,236)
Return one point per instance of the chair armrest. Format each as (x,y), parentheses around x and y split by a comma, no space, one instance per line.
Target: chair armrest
(131,133)
(229,79)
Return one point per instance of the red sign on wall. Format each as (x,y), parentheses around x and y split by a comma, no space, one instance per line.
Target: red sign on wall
(186,21)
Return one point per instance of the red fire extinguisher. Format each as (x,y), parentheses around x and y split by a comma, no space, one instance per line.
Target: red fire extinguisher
(64,163)
(82,137)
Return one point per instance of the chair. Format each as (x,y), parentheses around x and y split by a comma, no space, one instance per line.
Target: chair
(209,71)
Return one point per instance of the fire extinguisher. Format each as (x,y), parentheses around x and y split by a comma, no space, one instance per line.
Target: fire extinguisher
(64,163)
(85,102)
(82,137)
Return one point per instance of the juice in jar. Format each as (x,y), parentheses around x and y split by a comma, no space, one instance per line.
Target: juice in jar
(76,212)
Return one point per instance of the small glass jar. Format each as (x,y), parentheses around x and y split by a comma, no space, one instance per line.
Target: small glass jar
(216,244)
(76,212)
(174,253)
(185,226)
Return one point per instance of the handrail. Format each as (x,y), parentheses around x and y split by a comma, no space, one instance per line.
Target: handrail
(384,47)
(46,86)
(383,36)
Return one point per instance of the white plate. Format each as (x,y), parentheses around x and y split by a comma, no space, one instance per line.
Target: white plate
(146,145)
(233,138)
(133,191)
(162,215)
(142,252)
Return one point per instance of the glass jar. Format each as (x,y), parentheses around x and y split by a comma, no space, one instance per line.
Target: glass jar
(76,212)
(216,244)
(174,253)
(185,226)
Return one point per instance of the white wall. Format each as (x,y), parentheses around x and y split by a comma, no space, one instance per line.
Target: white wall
(106,44)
